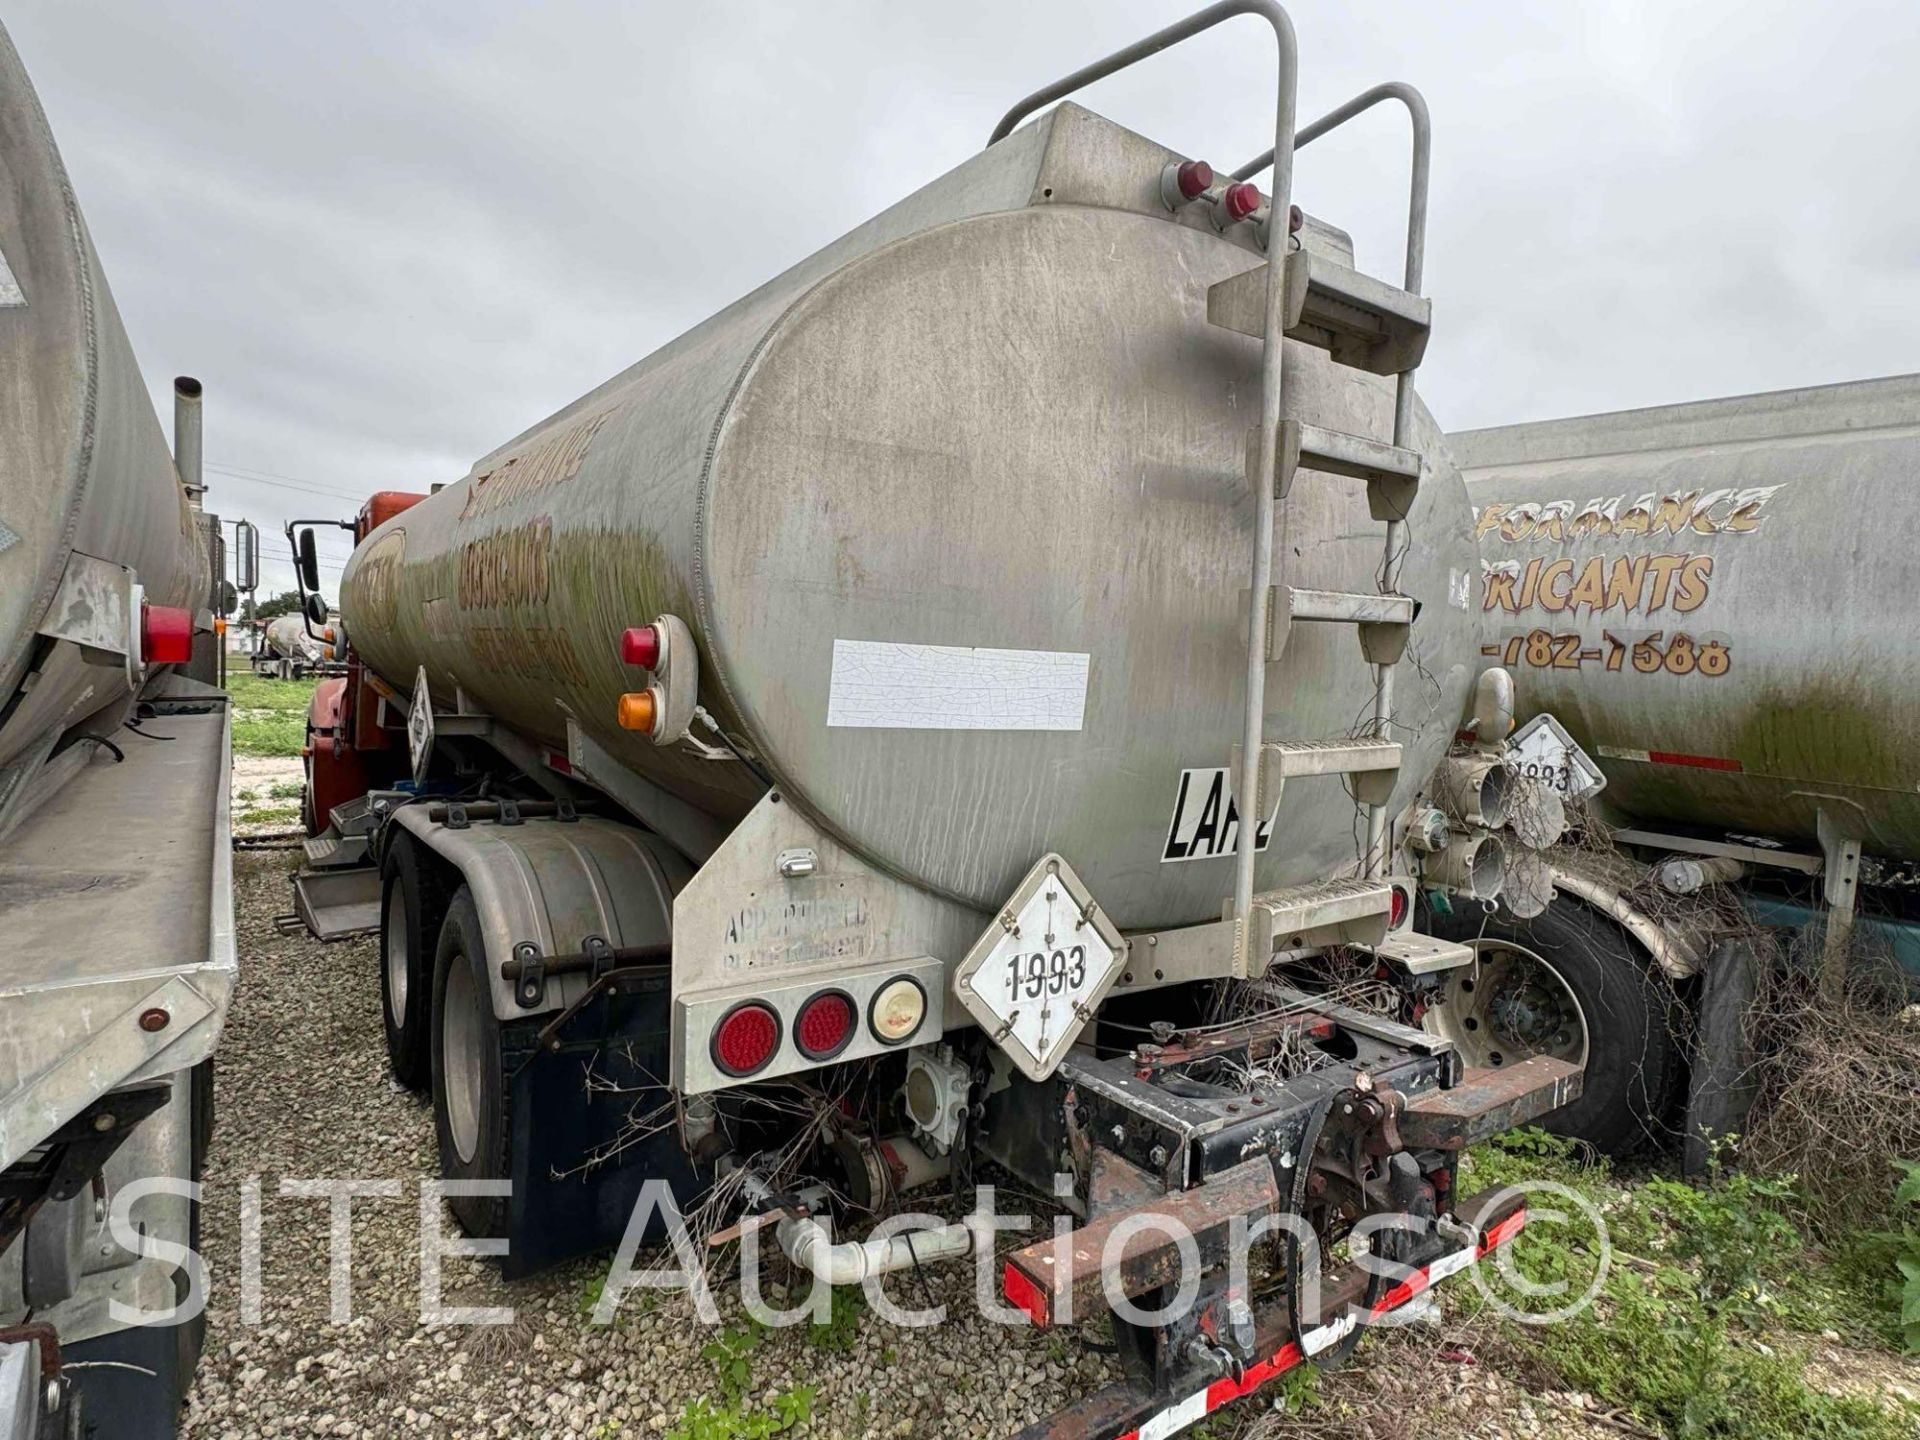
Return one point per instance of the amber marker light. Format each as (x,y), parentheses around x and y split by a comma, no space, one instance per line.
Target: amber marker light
(638,708)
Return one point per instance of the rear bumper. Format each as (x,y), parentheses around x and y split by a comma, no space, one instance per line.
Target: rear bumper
(1122,1412)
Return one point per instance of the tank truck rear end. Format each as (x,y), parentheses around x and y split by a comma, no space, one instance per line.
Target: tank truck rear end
(836,737)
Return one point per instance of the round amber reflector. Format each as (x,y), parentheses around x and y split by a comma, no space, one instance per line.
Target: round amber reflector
(637,710)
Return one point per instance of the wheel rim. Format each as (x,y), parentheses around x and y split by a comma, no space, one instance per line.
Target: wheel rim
(394,942)
(460,1059)
(1509,1005)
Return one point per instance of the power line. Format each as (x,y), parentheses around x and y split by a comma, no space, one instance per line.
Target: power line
(279,483)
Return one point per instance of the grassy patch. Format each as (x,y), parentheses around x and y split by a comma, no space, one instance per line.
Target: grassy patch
(784,1411)
(269,716)
(1693,1330)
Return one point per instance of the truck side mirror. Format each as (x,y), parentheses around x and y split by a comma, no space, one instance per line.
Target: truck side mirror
(316,607)
(308,559)
(246,555)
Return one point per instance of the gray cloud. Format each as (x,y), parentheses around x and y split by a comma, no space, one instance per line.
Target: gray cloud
(389,237)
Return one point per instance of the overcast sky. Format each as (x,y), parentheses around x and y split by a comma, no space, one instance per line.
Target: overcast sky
(388,236)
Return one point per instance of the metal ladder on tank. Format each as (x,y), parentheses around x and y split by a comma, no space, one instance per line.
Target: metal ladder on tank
(1374,327)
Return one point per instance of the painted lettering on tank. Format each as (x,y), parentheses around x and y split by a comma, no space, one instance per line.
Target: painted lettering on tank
(533,652)
(1678,515)
(551,461)
(1642,652)
(506,568)
(377,580)
(1598,584)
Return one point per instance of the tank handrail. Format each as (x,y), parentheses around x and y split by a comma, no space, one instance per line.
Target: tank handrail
(1253,726)
(1416,104)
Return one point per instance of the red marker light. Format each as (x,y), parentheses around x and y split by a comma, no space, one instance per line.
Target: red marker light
(825,1025)
(1195,178)
(1241,200)
(745,1038)
(1397,912)
(166,635)
(641,646)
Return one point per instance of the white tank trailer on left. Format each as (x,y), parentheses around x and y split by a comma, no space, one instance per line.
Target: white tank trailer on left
(115,857)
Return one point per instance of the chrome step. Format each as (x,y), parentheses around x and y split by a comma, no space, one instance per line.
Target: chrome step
(1421,954)
(1392,474)
(1383,621)
(1331,912)
(1374,765)
(1362,322)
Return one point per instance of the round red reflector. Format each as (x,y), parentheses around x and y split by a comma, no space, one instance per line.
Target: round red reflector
(1397,914)
(1242,200)
(825,1025)
(745,1038)
(641,646)
(1195,179)
(166,635)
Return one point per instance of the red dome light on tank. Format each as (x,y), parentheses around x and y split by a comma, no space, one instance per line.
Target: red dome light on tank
(1195,178)
(1241,200)
(640,645)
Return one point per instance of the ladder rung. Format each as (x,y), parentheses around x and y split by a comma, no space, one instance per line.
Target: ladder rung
(1293,759)
(1351,607)
(1383,622)
(1362,321)
(1332,912)
(1374,764)
(1391,473)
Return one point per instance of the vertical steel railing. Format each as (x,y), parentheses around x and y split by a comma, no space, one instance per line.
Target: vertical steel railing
(1253,726)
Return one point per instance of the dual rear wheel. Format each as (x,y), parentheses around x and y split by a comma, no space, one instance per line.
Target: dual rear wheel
(441,1030)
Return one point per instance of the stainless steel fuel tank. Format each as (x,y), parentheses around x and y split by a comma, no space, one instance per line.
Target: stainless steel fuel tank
(1718,601)
(959,512)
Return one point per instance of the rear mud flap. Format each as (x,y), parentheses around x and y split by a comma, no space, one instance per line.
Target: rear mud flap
(586,1091)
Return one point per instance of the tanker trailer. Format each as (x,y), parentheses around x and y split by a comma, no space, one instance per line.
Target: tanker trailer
(837,733)
(290,649)
(114,853)
(1709,599)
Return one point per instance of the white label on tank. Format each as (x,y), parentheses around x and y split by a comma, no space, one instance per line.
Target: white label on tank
(11,295)
(881,685)
(1206,822)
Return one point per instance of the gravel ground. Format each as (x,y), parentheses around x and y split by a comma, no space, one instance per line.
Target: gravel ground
(303,1092)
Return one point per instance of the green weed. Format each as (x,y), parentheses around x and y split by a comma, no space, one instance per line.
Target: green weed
(841,1332)
(704,1420)
(1700,1273)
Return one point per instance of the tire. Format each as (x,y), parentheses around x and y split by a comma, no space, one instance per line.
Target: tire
(1625,1008)
(469,1084)
(412,904)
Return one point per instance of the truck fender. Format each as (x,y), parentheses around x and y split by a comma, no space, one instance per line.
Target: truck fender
(556,884)
(1610,892)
